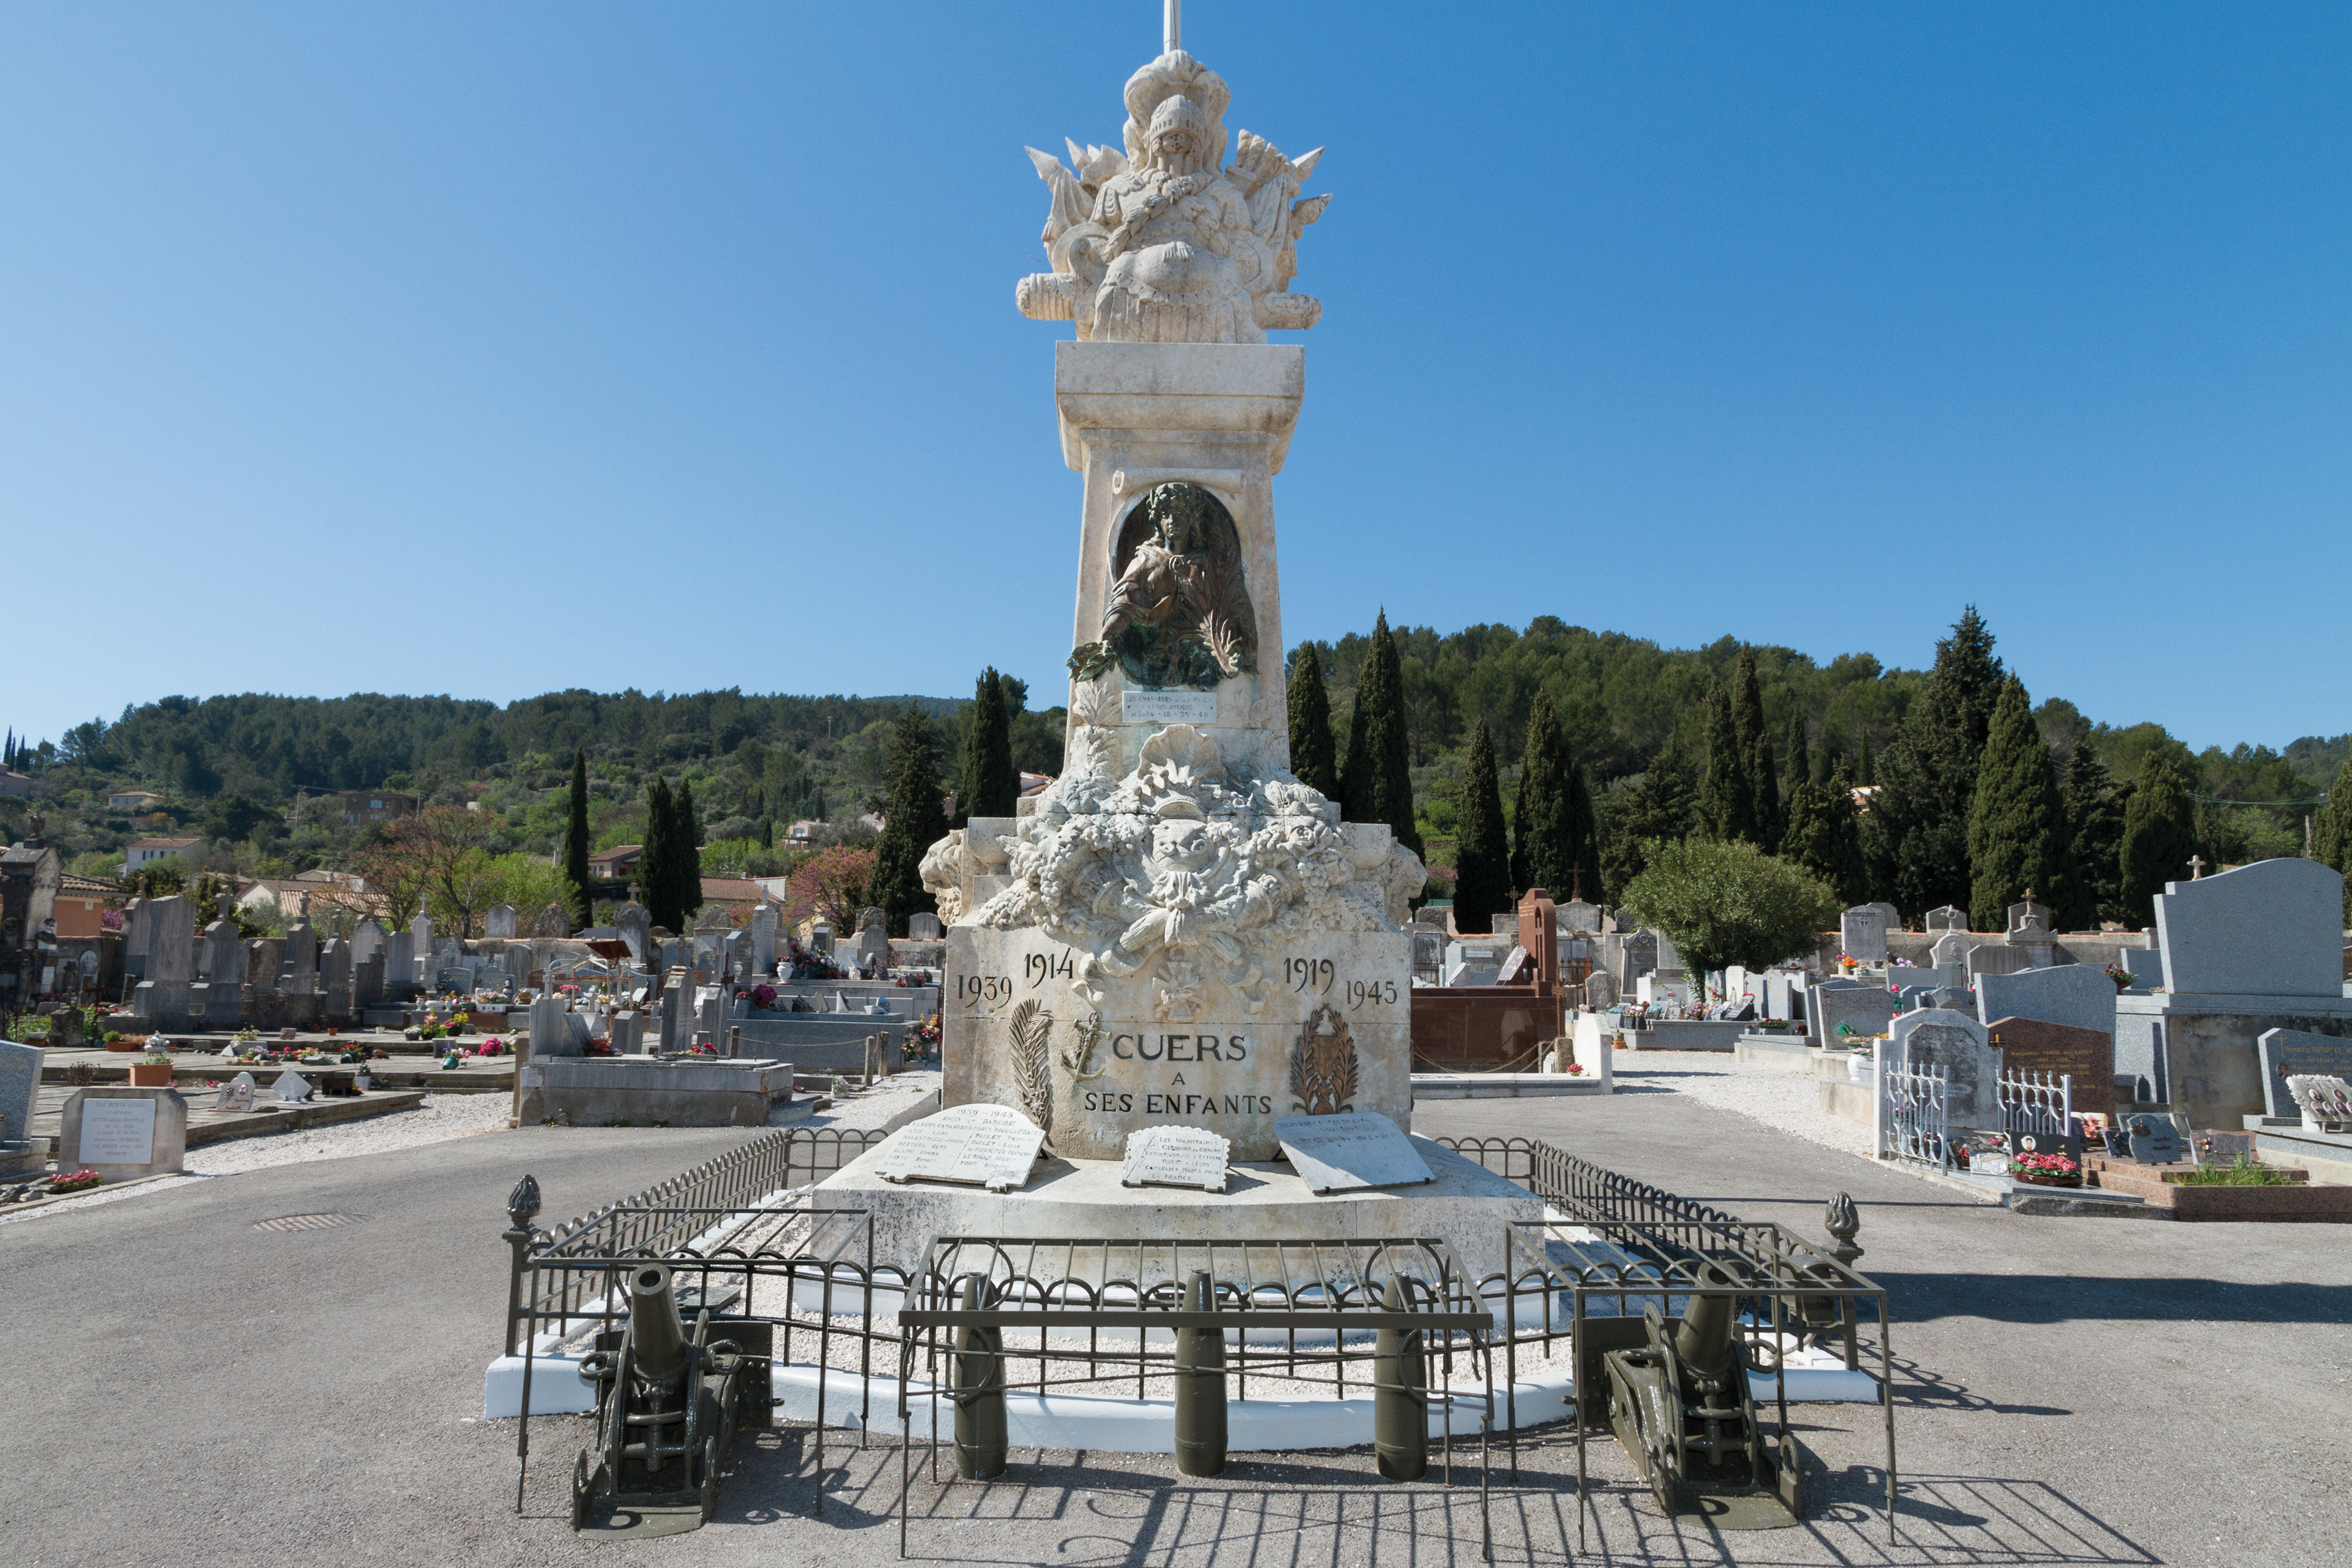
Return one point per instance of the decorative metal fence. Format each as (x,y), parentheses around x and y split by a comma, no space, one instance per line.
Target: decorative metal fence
(2041,1104)
(1915,1112)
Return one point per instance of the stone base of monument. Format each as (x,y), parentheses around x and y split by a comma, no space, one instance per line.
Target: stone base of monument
(599,1091)
(1466,1206)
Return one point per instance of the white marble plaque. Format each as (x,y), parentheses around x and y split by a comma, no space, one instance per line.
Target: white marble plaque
(117,1132)
(993,1146)
(1147,705)
(292,1086)
(236,1094)
(1350,1151)
(1176,1157)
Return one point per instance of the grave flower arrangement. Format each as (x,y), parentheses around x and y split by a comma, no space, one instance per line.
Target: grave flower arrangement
(2119,974)
(491,1047)
(74,1181)
(2046,1170)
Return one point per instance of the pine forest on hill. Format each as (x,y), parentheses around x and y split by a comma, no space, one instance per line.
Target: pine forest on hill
(1636,737)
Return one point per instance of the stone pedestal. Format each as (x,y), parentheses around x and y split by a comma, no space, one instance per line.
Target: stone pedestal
(109,1129)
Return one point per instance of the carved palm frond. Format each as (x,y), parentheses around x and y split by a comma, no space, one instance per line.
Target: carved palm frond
(1031,1075)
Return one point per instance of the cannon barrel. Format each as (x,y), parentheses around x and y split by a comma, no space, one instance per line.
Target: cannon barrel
(1703,1337)
(657,1340)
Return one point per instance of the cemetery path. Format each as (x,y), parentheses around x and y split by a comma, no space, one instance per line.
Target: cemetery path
(191,1391)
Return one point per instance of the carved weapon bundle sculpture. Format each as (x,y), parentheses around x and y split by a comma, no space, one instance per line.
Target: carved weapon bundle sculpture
(667,1412)
(1682,1407)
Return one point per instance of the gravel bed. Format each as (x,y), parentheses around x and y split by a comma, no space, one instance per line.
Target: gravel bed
(1785,1102)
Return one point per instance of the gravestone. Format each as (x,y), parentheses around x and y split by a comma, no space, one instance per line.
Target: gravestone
(1941,1038)
(1599,990)
(291,1088)
(2295,1053)
(335,976)
(399,965)
(1176,1157)
(763,941)
(134,939)
(236,1094)
(635,926)
(976,1144)
(66,1032)
(874,943)
(2145,964)
(122,1132)
(627,1036)
(163,997)
(498,923)
(2153,1140)
(1350,1151)
(821,938)
(368,940)
(678,1015)
(2038,1045)
(20,1082)
(1862,934)
(1640,958)
(1949,918)
(925,926)
(1864,1008)
(1951,948)
(2271,929)
(299,975)
(420,942)
(1997,958)
(2074,994)
(1517,968)
(1888,914)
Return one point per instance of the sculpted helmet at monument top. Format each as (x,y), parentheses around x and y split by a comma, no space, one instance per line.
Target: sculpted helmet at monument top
(1166,243)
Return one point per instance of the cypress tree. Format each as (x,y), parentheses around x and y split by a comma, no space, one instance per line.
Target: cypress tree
(2017,825)
(1657,810)
(1927,778)
(1314,762)
(1863,777)
(1801,757)
(2094,826)
(685,847)
(2159,837)
(990,787)
(2331,835)
(657,879)
(1378,783)
(575,843)
(1482,855)
(1824,835)
(916,820)
(1756,753)
(1557,836)
(1725,803)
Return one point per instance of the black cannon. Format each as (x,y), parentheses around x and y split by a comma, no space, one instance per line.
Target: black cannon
(668,1403)
(1682,1407)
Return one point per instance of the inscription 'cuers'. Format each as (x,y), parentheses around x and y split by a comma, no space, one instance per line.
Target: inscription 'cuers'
(1162,1047)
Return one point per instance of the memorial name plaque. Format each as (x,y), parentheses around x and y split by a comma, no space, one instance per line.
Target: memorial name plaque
(1145,705)
(117,1132)
(2154,1140)
(236,1094)
(992,1146)
(292,1086)
(2298,1052)
(1515,964)
(1350,1151)
(1176,1157)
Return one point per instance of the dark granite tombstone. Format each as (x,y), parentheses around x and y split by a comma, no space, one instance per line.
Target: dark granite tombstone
(2088,1056)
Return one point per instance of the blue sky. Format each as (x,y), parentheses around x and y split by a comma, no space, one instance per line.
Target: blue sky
(490,349)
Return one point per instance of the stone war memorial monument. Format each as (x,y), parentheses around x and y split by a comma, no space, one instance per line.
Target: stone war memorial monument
(1182,934)
(1178,952)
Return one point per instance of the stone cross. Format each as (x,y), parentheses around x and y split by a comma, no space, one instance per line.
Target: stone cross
(2196,866)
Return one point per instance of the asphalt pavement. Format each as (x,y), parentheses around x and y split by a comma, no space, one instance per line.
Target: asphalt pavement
(186,1389)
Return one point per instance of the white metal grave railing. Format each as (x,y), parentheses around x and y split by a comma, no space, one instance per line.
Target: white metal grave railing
(2039,1104)
(1914,1127)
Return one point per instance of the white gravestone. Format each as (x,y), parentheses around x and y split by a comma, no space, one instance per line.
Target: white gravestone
(1350,1151)
(993,1146)
(1946,1038)
(236,1094)
(292,1088)
(1176,1157)
(117,1132)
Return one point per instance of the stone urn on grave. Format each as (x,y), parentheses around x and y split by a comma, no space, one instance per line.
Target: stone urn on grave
(1177,931)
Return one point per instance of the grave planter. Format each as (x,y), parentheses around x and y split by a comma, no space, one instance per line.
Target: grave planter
(151,1075)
